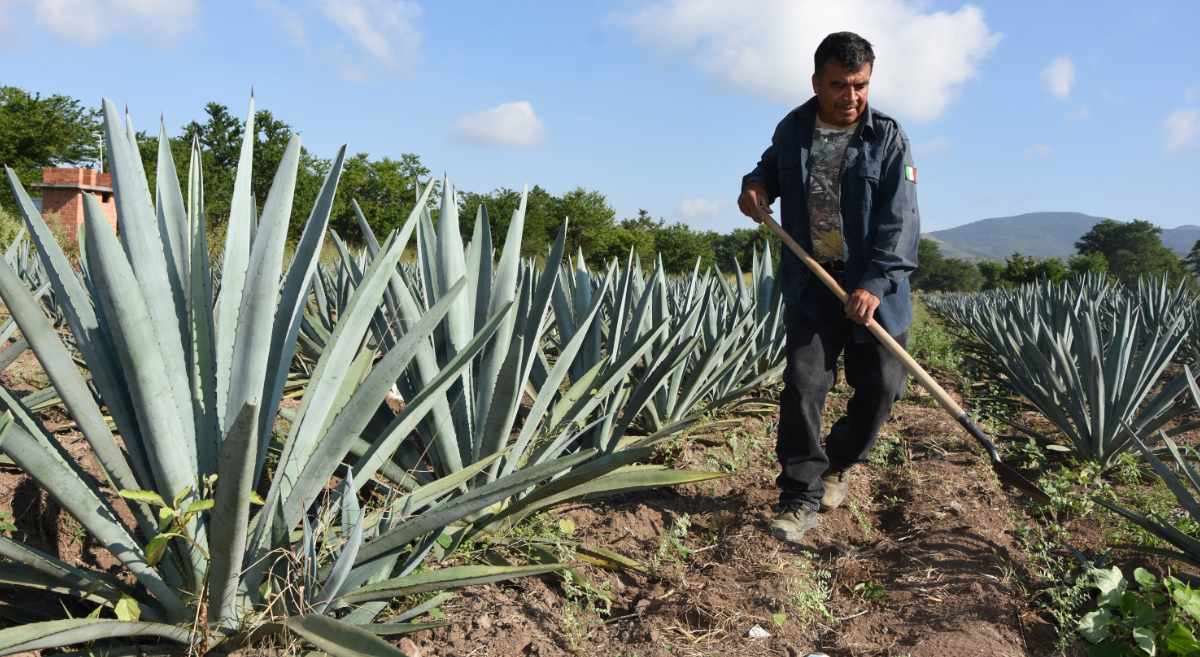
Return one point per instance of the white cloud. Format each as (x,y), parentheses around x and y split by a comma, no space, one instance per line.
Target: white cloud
(1193,93)
(384,30)
(765,47)
(509,124)
(1039,150)
(1183,130)
(157,22)
(691,208)
(285,18)
(933,146)
(1080,113)
(1059,77)
(1111,97)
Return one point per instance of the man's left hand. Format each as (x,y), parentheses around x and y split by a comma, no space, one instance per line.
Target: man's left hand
(860,307)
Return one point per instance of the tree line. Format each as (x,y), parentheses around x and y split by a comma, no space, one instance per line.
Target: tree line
(1120,251)
(57,130)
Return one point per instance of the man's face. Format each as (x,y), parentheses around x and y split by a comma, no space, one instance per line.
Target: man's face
(841,94)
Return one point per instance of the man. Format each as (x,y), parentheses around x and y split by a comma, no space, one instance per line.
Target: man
(844,174)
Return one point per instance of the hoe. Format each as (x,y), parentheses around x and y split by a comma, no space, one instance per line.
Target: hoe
(1006,474)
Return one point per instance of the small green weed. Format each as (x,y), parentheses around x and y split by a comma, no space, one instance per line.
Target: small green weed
(930,342)
(1059,585)
(882,452)
(865,523)
(1161,617)
(810,593)
(869,590)
(672,549)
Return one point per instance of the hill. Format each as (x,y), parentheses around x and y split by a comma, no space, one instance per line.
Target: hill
(1041,234)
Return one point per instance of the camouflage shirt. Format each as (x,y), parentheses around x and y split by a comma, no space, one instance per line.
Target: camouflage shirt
(824,208)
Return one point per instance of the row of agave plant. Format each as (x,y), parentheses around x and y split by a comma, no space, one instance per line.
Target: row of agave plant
(1090,356)
(249,519)
(1087,354)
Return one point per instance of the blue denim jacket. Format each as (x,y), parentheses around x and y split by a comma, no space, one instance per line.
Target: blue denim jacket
(880,223)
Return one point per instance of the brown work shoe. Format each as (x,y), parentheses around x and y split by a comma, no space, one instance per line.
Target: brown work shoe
(836,484)
(793,522)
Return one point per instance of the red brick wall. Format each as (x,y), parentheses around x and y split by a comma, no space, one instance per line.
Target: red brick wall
(68,203)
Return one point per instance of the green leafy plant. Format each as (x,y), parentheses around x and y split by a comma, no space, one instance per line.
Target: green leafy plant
(869,590)
(1160,617)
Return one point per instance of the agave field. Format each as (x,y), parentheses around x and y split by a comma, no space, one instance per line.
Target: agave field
(237,515)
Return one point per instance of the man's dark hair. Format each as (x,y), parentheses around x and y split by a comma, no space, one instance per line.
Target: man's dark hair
(849,50)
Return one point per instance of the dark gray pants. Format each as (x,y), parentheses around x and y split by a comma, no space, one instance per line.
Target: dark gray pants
(878,381)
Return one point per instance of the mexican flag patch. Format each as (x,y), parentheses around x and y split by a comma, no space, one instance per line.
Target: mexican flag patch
(910,174)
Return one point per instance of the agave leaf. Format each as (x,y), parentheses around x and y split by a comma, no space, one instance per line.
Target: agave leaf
(448,578)
(341,570)
(420,609)
(581,475)
(629,479)
(503,290)
(256,313)
(1185,498)
(61,369)
(391,629)
(231,511)
(199,316)
(17,576)
(416,407)
(1193,555)
(54,634)
(460,507)
(549,389)
(172,226)
(459,324)
(355,414)
(87,328)
(172,462)
(338,638)
(234,265)
(143,245)
(318,405)
(72,494)
(498,424)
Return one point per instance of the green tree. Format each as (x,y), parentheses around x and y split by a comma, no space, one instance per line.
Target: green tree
(1132,249)
(1020,270)
(993,276)
(1192,261)
(636,234)
(37,132)
(937,273)
(590,225)
(1091,263)
(500,204)
(743,243)
(386,191)
(680,247)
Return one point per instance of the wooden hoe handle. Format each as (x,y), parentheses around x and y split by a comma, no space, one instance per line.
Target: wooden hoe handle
(914,368)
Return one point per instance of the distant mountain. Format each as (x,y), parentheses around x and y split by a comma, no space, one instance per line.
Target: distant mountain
(1041,234)
(1181,238)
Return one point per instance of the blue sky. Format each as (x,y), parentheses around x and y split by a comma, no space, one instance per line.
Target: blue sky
(1012,107)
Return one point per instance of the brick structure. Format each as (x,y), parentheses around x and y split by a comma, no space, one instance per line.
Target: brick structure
(63,190)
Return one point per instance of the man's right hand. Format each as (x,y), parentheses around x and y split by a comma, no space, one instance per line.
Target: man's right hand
(754,195)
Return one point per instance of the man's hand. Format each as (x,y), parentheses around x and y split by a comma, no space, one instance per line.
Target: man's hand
(860,307)
(754,195)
